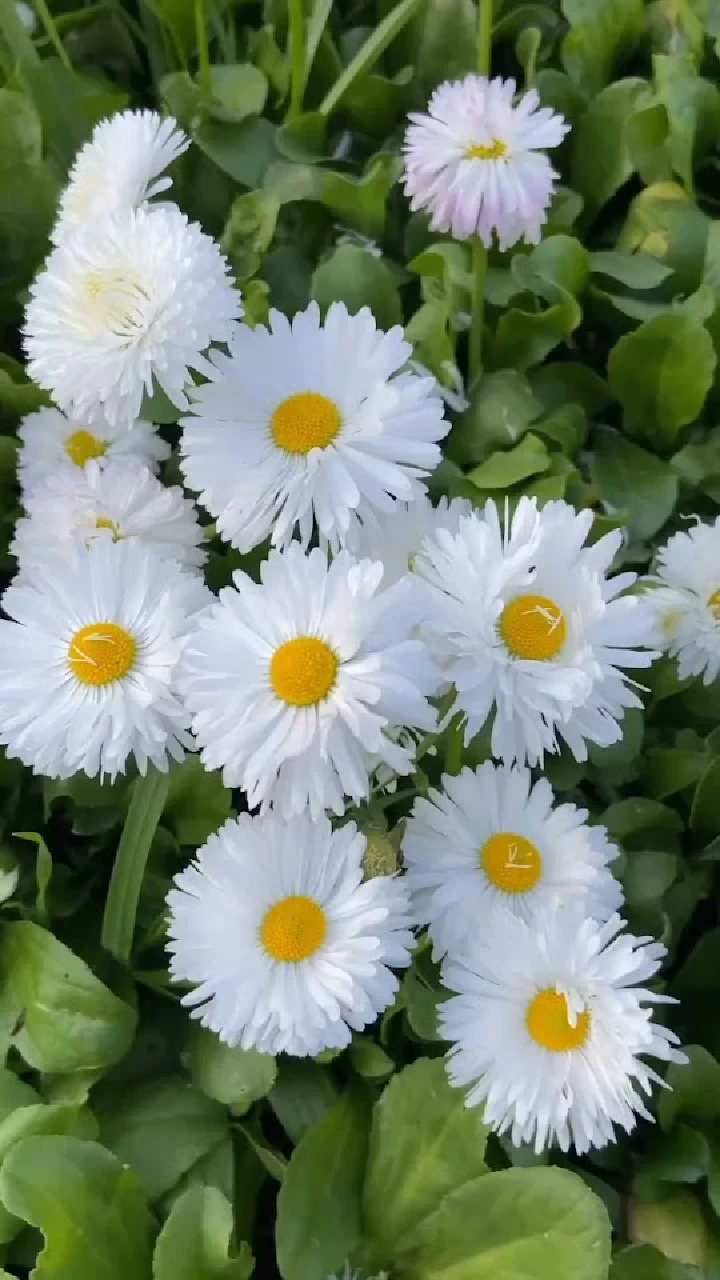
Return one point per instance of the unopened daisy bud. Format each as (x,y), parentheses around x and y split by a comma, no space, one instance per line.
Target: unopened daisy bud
(53,447)
(476,162)
(134,297)
(686,600)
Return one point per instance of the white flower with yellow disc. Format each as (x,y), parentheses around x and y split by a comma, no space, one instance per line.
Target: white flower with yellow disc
(686,601)
(53,447)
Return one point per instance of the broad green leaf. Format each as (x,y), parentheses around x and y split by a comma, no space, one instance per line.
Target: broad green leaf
(66,1020)
(693,111)
(243,150)
(197,802)
(603,33)
(638,485)
(674,1225)
(353,276)
(525,337)
(638,817)
(14,1093)
(508,467)
(356,202)
(238,90)
(195,1240)
(636,270)
(705,812)
(502,408)
(666,771)
(680,1156)
(664,223)
(248,233)
(302,1095)
(662,373)
(318,1209)
(235,1077)
(694,1092)
(440,44)
(601,161)
(643,1262)
(32,1120)
(88,1207)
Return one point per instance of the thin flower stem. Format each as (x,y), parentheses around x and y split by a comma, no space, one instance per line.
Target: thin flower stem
(479,252)
(296,39)
(201,39)
(52,33)
(454,745)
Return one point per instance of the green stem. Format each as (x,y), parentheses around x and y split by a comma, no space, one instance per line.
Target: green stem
(201,40)
(144,812)
(296,54)
(479,252)
(52,33)
(454,745)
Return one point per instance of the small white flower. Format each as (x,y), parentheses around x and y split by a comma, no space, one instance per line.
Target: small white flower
(120,500)
(531,631)
(298,684)
(308,423)
(129,298)
(549,1028)
(491,842)
(119,169)
(686,603)
(396,537)
(476,162)
(55,447)
(287,947)
(88,661)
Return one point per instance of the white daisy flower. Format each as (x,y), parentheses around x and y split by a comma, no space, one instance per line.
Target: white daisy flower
(396,537)
(490,843)
(121,500)
(119,169)
(531,631)
(287,947)
(476,162)
(686,603)
(131,297)
(549,1028)
(88,661)
(55,447)
(298,684)
(307,423)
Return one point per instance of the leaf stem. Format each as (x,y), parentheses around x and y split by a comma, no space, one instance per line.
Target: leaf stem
(479,252)
(52,33)
(454,744)
(203,50)
(144,812)
(296,56)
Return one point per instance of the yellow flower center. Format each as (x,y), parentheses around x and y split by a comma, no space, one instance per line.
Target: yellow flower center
(305,421)
(101,653)
(104,522)
(549,1024)
(303,671)
(713,604)
(480,152)
(533,627)
(293,929)
(511,862)
(82,445)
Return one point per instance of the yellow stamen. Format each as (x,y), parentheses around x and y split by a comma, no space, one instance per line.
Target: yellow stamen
(480,152)
(303,671)
(511,862)
(548,1023)
(82,446)
(101,653)
(533,627)
(305,421)
(713,604)
(293,929)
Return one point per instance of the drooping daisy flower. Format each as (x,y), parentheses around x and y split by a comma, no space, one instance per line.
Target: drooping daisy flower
(287,947)
(119,169)
(307,422)
(88,661)
(531,631)
(299,685)
(395,537)
(549,1027)
(686,603)
(121,500)
(55,447)
(134,296)
(491,842)
(477,162)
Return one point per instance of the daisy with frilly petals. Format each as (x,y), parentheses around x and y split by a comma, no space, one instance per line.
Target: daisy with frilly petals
(476,161)
(88,660)
(55,447)
(308,423)
(121,500)
(119,169)
(396,537)
(531,631)
(287,948)
(130,298)
(686,600)
(298,685)
(549,1028)
(491,842)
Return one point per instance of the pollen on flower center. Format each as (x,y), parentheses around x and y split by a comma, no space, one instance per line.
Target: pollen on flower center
(303,671)
(101,653)
(713,604)
(494,151)
(511,862)
(293,929)
(305,421)
(81,446)
(104,522)
(548,1022)
(533,627)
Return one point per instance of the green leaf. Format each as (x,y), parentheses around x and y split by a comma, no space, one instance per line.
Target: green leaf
(601,160)
(507,467)
(694,1092)
(705,812)
(635,270)
(602,32)
(353,276)
(236,1077)
(249,231)
(238,90)
(441,44)
(147,801)
(424,1144)
(195,1240)
(641,817)
(366,57)
(197,802)
(66,1020)
(318,1210)
(502,408)
(643,1262)
(38,1119)
(693,111)
(357,202)
(303,1093)
(667,771)
(632,482)
(89,1208)
(243,150)
(648,875)
(680,1156)
(674,1225)
(661,374)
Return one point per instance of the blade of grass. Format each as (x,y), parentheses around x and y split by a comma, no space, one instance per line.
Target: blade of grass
(367,56)
(317,22)
(145,810)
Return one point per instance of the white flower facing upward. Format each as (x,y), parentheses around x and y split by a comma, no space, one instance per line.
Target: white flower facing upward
(287,948)
(396,537)
(131,297)
(88,661)
(297,684)
(306,423)
(686,600)
(531,631)
(549,1028)
(119,169)
(476,162)
(53,447)
(121,501)
(490,843)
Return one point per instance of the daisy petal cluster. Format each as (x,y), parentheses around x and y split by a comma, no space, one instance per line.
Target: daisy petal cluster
(685,600)
(55,447)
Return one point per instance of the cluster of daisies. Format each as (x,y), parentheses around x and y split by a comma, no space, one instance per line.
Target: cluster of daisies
(378,622)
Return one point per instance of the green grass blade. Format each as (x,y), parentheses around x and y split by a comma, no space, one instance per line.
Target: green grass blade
(373,48)
(148,801)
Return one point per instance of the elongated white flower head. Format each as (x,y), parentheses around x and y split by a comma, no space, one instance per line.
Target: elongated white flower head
(477,163)
(53,447)
(686,600)
(119,169)
(135,296)
(287,948)
(550,1025)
